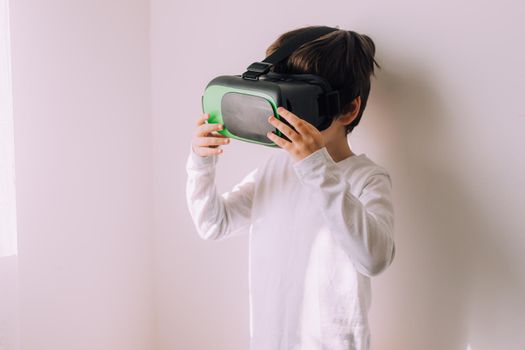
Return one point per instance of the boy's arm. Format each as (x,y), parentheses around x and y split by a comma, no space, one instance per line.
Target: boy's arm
(217,216)
(364,226)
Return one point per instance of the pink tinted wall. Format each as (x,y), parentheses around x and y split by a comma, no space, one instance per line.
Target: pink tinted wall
(9,322)
(83,163)
(445,116)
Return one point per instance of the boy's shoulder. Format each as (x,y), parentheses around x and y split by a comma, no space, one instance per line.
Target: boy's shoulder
(365,164)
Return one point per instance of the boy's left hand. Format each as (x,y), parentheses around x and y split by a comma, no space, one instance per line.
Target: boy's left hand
(305,139)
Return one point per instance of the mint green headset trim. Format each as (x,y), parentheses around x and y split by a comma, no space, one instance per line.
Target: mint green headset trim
(211,103)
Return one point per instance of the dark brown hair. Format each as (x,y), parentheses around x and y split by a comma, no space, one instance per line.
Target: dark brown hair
(343,57)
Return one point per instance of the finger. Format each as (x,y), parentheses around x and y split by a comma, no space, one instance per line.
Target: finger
(205,129)
(285,129)
(205,151)
(291,118)
(203,118)
(211,141)
(279,141)
(217,134)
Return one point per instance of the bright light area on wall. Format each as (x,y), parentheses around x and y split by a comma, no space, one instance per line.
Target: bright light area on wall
(8,243)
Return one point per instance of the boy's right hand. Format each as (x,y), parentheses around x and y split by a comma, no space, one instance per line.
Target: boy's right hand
(206,140)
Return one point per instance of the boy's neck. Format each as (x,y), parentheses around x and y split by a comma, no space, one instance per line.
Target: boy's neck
(339,149)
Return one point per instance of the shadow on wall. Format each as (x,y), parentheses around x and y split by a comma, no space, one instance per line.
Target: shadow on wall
(453,283)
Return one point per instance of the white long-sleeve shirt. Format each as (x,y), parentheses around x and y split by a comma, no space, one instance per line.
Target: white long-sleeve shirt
(318,230)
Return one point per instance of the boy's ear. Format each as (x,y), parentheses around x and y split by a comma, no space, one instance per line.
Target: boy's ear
(349,117)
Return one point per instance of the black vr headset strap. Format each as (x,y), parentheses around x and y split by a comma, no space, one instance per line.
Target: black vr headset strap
(331,103)
(257,69)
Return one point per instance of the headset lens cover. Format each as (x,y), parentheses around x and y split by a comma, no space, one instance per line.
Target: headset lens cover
(247,116)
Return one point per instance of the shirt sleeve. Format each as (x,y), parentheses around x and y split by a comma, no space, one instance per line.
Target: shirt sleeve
(363,225)
(217,216)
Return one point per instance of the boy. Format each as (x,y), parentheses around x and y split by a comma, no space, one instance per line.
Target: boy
(319,217)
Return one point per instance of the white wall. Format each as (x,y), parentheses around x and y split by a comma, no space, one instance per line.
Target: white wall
(9,327)
(9,318)
(83,173)
(446,118)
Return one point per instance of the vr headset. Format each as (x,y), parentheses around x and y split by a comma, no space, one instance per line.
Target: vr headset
(243,103)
